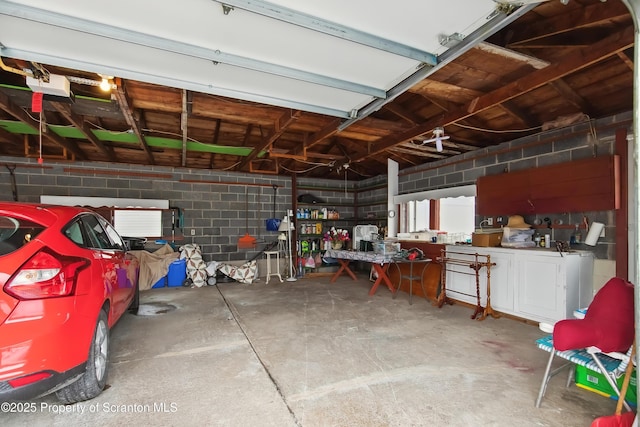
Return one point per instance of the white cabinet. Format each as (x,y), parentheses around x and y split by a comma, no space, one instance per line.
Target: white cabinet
(534,284)
(461,279)
(502,281)
(551,287)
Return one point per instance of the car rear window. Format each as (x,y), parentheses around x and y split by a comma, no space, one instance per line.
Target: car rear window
(15,232)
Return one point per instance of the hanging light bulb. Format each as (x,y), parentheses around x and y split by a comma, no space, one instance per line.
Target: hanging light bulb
(438,143)
(105,85)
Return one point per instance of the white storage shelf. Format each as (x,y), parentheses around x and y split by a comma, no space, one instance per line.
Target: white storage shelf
(534,284)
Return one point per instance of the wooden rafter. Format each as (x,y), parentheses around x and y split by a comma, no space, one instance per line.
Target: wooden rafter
(579,59)
(184,126)
(327,131)
(403,113)
(10,138)
(510,108)
(82,126)
(281,125)
(571,96)
(9,107)
(215,140)
(625,58)
(125,107)
(591,16)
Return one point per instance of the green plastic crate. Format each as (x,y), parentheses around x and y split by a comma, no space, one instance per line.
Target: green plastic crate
(593,381)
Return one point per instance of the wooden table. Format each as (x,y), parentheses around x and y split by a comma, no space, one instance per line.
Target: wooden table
(379,262)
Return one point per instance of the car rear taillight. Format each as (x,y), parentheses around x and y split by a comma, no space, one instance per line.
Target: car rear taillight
(46,275)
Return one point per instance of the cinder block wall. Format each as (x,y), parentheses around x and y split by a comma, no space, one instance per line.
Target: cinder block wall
(359,204)
(551,147)
(212,202)
(372,200)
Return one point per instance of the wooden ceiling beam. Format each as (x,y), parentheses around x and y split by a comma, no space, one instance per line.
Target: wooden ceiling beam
(327,131)
(82,126)
(578,60)
(281,125)
(10,138)
(625,58)
(216,138)
(474,122)
(184,125)
(511,54)
(246,139)
(509,108)
(422,151)
(323,156)
(10,108)
(403,113)
(571,96)
(125,107)
(598,13)
(512,110)
(356,148)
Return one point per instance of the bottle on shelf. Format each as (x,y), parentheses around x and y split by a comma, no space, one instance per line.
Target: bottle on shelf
(577,236)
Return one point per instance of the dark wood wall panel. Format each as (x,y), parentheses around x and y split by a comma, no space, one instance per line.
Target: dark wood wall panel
(591,184)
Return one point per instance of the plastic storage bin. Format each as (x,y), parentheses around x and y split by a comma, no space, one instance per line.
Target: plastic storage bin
(386,247)
(175,276)
(593,381)
(177,273)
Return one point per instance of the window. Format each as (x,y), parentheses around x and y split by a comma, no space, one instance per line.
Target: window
(98,238)
(74,233)
(115,238)
(16,232)
(454,211)
(457,214)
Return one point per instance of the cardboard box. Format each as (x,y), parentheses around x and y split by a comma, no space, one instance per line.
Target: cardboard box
(597,383)
(486,239)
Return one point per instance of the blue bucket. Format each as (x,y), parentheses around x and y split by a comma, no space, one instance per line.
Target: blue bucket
(273,224)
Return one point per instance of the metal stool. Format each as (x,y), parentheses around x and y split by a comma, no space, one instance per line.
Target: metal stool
(270,273)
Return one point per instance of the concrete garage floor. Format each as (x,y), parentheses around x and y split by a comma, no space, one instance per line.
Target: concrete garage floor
(311,353)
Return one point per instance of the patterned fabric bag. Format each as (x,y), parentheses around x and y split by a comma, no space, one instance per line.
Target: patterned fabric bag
(196,267)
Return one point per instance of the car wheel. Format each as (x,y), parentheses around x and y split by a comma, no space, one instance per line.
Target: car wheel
(93,380)
(135,302)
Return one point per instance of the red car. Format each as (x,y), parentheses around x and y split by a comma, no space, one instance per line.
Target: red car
(65,280)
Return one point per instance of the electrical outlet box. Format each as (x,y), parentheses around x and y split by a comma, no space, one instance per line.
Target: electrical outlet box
(193,232)
(490,221)
(499,220)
